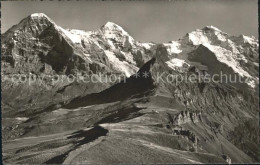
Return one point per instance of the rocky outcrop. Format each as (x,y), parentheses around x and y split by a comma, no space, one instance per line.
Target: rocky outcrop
(187,117)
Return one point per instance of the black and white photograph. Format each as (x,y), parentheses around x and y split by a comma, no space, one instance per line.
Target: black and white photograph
(129,82)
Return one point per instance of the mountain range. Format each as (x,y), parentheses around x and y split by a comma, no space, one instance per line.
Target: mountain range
(143,119)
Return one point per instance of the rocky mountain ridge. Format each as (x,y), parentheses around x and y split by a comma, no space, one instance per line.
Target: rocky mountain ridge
(122,53)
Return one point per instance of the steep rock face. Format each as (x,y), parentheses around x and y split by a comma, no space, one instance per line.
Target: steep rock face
(38,45)
(19,44)
(223,73)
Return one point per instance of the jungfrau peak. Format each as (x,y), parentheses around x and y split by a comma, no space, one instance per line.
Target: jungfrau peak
(229,50)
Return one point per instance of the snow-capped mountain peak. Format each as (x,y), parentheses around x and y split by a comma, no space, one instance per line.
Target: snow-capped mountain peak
(32,25)
(38,18)
(39,15)
(235,52)
(115,33)
(208,34)
(213,28)
(110,26)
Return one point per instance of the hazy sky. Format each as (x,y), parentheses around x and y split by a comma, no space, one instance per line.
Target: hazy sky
(146,21)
